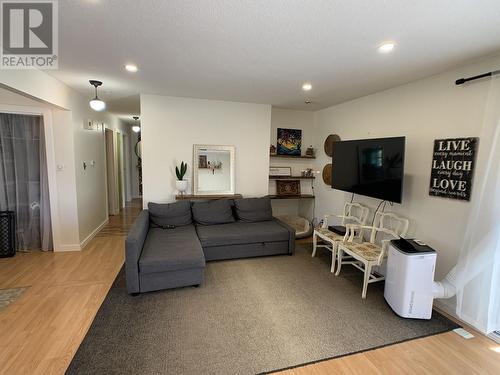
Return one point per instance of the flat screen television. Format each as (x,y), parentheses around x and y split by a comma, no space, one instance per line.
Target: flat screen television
(371,167)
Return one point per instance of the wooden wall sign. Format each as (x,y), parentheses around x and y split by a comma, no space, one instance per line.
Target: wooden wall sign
(453,167)
(290,187)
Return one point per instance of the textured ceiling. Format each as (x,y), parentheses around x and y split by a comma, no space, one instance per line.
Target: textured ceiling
(263,50)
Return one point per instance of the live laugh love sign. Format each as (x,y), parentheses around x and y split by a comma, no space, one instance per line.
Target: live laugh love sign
(453,167)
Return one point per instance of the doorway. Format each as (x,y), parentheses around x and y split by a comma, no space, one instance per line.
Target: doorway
(116,174)
(24,181)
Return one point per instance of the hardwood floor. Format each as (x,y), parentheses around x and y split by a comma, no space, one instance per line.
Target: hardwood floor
(41,331)
(446,353)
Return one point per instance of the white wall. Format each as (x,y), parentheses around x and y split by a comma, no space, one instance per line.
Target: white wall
(81,193)
(293,119)
(171,126)
(422,111)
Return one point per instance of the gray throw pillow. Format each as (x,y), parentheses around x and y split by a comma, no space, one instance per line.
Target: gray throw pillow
(251,210)
(166,214)
(213,212)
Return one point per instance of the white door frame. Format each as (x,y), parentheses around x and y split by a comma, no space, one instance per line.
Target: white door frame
(126,166)
(46,113)
(111,175)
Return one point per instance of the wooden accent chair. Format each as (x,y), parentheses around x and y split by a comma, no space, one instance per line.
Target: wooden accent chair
(366,255)
(354,213)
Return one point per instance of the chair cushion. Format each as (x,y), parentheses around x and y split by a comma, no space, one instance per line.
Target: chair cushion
(213,212)
(329,234)
(241,233)
(366,250)
(164,214)
(252,210)
(171,250)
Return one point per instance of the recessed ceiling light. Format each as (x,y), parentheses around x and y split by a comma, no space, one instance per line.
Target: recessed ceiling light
(131,68)
(386,47)
(307,87)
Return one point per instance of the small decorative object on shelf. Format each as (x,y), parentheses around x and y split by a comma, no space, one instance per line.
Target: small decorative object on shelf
(280,171)
(307,172)
(310,151)
(290,187)
(272,150)
(181,184)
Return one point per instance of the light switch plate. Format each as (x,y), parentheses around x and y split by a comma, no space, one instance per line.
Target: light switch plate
(87,124)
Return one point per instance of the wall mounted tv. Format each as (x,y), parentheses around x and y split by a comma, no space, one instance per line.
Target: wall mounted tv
(371,167)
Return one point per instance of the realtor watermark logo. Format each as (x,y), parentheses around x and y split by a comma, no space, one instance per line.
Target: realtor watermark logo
(29,34)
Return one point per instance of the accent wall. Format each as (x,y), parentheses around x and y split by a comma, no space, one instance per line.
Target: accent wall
(172,125)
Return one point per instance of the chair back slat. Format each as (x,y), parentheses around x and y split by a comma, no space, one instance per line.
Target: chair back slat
(355,213)
(389,223)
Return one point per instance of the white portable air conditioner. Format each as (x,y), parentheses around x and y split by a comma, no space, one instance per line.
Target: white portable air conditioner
(409,283)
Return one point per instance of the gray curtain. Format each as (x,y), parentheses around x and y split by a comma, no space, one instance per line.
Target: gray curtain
(24,179)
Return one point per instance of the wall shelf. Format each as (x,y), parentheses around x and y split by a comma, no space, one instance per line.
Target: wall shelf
(293,156)
(292,177)
(302,196)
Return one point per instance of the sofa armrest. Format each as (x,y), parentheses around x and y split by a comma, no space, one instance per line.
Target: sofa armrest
(291,235)
(133,249)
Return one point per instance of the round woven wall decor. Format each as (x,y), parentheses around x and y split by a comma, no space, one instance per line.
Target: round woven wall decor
(327,174)
(329,143)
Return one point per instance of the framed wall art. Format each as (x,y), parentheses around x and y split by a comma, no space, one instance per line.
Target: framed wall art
(453,163)
(289,187)
(289,142)
(280,171)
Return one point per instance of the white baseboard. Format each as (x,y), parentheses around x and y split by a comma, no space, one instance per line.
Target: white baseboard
(93,234)
(68,247)
(495,336)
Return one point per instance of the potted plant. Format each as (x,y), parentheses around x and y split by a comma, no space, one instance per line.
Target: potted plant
(181,184)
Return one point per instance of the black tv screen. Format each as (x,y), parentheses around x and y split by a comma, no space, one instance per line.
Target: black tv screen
(371,167)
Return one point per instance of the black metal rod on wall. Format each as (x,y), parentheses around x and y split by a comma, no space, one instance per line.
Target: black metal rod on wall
(489,74)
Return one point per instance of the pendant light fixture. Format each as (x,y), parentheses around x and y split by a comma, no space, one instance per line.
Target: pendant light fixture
(97,104)
(136,128)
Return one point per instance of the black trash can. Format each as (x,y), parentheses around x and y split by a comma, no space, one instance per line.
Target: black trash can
(7,234)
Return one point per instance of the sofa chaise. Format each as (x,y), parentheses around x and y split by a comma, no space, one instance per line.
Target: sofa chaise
(168,244)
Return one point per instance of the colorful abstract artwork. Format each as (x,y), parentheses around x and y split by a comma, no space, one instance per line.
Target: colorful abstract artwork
(289,141)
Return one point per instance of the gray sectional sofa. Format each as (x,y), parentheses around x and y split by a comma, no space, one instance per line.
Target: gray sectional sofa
(168,245)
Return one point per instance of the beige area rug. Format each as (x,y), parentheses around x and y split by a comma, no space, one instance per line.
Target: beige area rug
(8,296)
(249,316)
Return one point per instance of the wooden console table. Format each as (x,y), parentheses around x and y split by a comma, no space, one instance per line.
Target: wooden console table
(191,197)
